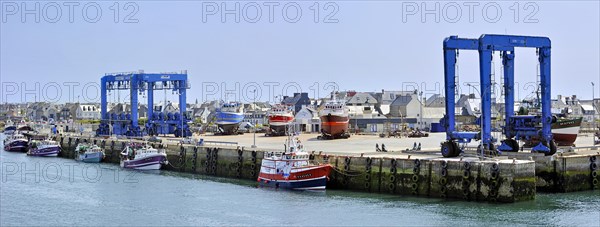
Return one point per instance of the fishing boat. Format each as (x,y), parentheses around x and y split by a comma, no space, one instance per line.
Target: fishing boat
(280,116)
(229,116)
(143,157)
(9,130)
(565,128)
(292,168)
(564,132)
(89,153)
(334,119)
(16,142)
(25,128)
(44,148)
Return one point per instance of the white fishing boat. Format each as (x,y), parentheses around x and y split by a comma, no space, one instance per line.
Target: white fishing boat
(143,157)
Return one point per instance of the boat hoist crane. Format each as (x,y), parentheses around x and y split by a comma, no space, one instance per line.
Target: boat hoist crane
(125,122)
(516,127)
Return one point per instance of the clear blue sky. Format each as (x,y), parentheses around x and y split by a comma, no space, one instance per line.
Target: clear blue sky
(370,47)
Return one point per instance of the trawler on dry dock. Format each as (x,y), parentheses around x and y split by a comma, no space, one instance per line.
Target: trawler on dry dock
(229,117)
(334,119)
(280,116)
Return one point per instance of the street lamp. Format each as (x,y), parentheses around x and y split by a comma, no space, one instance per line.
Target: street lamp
(420,109)
(480,116)
(594,114)
(254,107)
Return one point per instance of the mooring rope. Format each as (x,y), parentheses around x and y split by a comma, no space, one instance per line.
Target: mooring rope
(346,174)
(169,162)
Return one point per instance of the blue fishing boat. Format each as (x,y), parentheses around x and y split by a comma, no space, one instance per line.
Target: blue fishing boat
(9,130)
(229,117)
(44,148)
(16,142)
(89,153)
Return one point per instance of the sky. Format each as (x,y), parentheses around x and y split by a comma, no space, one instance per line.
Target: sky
(229,52)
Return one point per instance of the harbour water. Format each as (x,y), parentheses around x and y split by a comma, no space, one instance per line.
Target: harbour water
(56,191)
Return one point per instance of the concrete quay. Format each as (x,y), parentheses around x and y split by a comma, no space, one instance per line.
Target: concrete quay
(508,178)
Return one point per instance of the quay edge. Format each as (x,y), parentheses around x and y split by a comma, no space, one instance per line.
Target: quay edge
(469,179)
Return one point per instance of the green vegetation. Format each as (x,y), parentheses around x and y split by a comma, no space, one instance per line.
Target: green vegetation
(523,111)
(88,121)
(142,121)
(198,121)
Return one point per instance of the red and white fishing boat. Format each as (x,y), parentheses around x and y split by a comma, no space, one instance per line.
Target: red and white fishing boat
(280,116)
(564,131)
(334,119)
(292,169)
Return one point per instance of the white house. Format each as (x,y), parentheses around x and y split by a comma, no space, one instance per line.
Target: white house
(202,113)
(387,97)
(308,120)
(86,111)
(361,105)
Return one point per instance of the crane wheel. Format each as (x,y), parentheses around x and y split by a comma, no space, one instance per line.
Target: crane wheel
(512,144)
(552,146)
(449,149)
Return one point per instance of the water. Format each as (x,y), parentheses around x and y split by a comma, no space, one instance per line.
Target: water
(103,194)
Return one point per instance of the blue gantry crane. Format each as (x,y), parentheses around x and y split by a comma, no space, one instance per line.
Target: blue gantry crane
(126,123)
(516,127)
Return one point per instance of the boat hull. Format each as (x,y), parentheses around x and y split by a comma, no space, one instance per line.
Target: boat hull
(280,120)
(278,124)
(310,184)
(334,126)
(565,136)
(228,122)
(18,146)
(44,152)
(9,132)
(149,163)
(228,129)
(313,178)
(277,130)
(91,157)
(564,133)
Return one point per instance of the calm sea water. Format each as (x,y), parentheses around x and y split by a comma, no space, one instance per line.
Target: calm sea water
(57,191)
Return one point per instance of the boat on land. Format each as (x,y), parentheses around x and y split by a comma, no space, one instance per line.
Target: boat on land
(292,168)
(16,142)
(44,148)
(280,116)
(334,119)
(89,153)
(564,132)
(141,156)
(229,117)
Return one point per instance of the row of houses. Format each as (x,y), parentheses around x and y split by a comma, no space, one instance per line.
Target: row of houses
(368,111)
(42,111)
(394,110)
